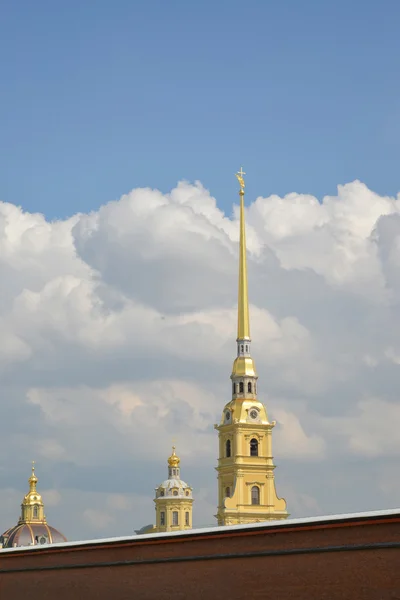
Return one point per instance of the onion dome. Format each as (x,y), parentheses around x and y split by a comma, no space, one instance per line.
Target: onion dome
(32,527)
(174,486)
(174,460)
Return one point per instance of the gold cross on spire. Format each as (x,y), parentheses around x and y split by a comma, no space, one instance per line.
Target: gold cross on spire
(239,176)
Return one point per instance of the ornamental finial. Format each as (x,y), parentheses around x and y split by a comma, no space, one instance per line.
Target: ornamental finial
(33,479)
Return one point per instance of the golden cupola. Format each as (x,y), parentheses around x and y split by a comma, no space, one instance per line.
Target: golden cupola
(32,507)
(32,527)
(174,460)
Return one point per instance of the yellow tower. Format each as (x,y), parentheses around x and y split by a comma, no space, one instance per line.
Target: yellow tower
(246,485)
(174,500)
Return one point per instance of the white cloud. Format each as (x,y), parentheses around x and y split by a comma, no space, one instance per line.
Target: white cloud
(373,430)
(53,497)
(293,442)
(117,335)
(98,520)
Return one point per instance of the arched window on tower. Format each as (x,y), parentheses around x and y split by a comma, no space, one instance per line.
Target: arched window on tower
(247,348)
(228,448)
(187,519)
(255,495)
(228,492)
(162,518)
(253,447)
(233,388)
(175,518)
(249,387)
(241,387)
(35,512)
(241,348)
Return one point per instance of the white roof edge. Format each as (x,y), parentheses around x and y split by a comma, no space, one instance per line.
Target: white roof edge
(216,529)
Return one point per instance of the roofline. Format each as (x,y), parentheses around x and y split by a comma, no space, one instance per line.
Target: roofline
(218,530)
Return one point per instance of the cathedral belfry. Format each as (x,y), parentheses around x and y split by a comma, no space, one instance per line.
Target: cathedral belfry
(246,484)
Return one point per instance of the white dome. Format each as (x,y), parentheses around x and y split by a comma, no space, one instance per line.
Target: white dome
(169,486)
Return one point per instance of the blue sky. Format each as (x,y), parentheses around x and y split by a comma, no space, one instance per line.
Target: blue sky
(99,97)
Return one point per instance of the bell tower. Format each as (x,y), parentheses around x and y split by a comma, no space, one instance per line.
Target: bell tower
(246,484)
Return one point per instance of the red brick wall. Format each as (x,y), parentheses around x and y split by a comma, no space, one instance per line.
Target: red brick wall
(356,575)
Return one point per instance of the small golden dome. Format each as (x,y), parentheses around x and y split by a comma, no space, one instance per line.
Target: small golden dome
(33,479)
(174,460)
(32,497)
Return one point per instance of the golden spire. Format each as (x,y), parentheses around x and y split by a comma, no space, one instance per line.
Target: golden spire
(243,364)
(243,332)
(174,460)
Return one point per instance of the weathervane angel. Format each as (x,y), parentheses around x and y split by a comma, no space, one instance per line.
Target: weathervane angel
(240,179)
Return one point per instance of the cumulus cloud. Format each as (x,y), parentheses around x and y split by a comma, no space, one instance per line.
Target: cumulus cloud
(117,335)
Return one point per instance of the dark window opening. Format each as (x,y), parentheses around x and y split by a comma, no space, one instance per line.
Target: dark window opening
(241,387)
(228,448)
(253,447)
(187,519)
(249,387)
(241,348)
(162,518)
(255,495)
(233,388)
(35,512)
(228,492)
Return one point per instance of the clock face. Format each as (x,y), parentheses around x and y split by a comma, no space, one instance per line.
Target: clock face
(253,413)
